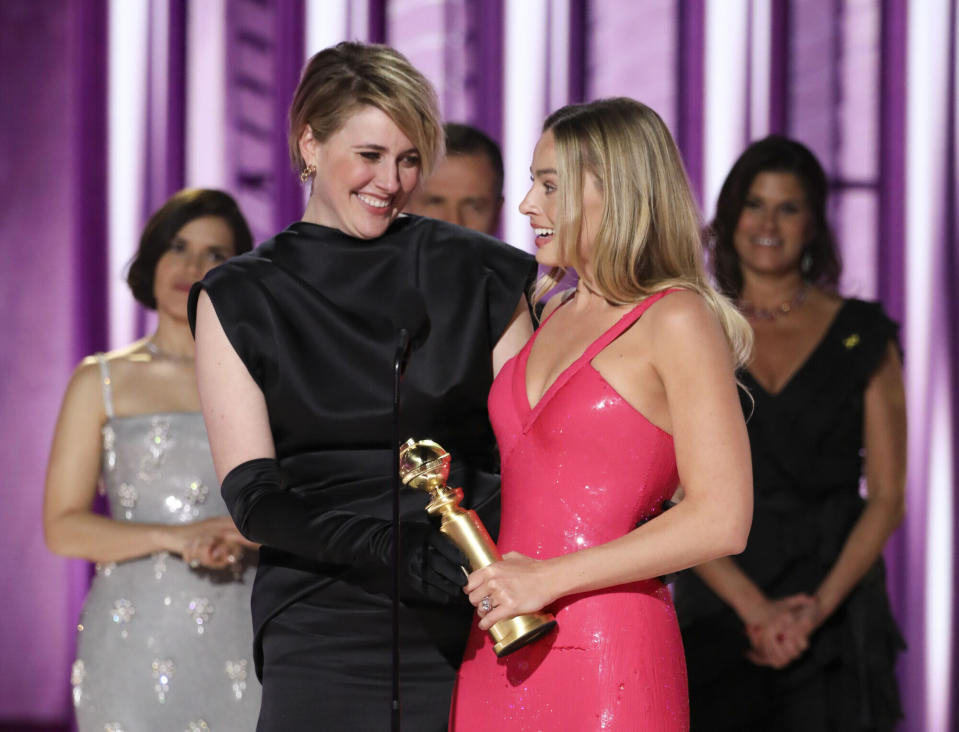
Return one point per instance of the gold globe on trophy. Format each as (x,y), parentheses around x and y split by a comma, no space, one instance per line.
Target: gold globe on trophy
(425,465)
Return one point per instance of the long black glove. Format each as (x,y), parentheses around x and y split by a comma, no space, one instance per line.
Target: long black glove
(268,514)
(433,565)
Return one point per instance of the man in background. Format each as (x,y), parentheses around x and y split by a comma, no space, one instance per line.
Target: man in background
(467,186)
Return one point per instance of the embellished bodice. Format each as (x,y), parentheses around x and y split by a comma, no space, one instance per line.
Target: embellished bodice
(157,468)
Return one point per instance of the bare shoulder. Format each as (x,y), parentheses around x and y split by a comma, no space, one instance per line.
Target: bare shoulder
(123,363)
(84,393)
(86,375)
(682,313)
(132,351)
(684,333)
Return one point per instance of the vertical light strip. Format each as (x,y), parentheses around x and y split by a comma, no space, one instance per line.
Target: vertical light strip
(940,541)
(727,26)
(524,107)
(759,70)
(326,24)
(928,386)
(358,20)
(158,101)
(558,55)
(126,109)
(206,84)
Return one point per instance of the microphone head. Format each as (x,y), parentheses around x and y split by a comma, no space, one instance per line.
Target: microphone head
(409,314)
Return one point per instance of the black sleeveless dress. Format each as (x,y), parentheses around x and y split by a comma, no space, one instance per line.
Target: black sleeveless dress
(806,443)
(310,314)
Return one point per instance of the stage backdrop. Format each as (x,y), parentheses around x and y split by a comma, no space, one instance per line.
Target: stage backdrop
(109,107)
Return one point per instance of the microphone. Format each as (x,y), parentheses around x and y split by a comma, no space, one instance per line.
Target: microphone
(412,326)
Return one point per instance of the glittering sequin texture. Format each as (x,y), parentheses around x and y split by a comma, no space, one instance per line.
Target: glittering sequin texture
(580,468)
(163,646)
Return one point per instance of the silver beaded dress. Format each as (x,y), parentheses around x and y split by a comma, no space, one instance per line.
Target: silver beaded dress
(162,646)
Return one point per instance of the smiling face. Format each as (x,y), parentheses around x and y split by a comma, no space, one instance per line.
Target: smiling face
(199,246)
(774,224)
(542,201)
(366,171)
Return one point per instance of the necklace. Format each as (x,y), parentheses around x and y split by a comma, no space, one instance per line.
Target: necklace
(159,353)
(784,308)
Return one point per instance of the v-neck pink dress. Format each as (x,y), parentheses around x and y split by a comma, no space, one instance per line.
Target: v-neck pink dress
(580,468)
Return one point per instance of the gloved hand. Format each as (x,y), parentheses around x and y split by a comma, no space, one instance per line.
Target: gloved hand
(266,513)
(432,565)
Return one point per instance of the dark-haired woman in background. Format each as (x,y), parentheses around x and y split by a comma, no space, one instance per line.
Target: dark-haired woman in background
(165,640)
(796,633)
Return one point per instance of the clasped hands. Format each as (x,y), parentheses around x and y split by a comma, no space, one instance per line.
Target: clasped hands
(781,633)
(213,543)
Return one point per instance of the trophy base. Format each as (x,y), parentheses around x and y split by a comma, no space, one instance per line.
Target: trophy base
(514,633)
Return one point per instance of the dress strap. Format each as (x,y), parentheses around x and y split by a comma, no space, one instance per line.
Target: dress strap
(624,323)
(107,383)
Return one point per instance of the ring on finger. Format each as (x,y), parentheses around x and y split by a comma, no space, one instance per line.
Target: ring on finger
(486,605)
(194,563)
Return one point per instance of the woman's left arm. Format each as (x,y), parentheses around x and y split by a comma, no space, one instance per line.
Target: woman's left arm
(690,357)
(884,437)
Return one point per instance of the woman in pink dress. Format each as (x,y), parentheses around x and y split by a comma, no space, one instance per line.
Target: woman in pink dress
(626,391)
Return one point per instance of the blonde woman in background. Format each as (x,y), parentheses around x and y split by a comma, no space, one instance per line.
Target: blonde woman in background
(626,390)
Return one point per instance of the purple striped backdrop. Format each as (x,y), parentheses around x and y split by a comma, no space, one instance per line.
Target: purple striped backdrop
(52,282)
(689,66)
(837,81)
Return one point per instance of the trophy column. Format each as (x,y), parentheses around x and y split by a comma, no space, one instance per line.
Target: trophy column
(425,465)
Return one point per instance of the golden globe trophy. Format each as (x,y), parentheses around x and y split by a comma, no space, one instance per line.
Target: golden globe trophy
(425,465)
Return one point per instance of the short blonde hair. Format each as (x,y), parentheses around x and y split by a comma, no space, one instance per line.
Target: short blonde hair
(339,79)
(650,234)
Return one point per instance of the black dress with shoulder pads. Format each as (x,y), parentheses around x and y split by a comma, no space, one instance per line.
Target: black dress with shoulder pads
(310,313)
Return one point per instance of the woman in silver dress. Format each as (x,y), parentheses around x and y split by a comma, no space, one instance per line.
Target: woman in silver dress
(165,636)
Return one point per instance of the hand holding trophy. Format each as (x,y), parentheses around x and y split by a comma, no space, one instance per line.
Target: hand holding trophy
(425,465)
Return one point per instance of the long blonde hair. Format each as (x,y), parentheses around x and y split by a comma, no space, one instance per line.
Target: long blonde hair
(649,238)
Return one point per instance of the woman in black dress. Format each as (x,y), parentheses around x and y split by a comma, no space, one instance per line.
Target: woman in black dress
(796,632)
(295,346)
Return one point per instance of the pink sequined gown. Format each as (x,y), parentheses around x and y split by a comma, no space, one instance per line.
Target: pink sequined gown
(579,469)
